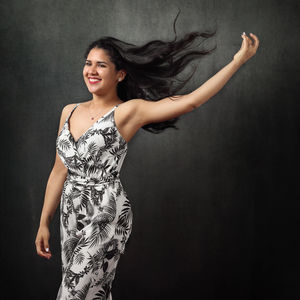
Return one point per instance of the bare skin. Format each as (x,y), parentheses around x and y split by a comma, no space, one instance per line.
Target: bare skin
(130,116)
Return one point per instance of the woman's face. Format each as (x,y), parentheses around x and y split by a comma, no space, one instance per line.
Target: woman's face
(99,72)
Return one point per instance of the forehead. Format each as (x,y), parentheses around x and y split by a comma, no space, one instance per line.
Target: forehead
(98,54)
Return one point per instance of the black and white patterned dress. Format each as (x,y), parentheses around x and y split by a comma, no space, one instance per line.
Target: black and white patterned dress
(95,212)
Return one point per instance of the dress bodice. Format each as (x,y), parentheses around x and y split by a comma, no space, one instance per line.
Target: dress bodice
(99,152)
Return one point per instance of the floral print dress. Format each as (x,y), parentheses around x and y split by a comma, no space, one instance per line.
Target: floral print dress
(95,212)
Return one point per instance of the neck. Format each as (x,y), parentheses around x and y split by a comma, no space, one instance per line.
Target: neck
(105,100)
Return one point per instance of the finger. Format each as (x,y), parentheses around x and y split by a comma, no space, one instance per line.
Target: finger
(46,245)
(256,40)
(46,250)
(251,43)
(248,41)
(245,42)
(39,248)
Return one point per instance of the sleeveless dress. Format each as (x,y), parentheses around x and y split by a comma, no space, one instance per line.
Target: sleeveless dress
(95,212)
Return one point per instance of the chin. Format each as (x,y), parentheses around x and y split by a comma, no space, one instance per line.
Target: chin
(93,91)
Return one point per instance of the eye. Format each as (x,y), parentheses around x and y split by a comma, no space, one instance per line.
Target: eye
(88,64)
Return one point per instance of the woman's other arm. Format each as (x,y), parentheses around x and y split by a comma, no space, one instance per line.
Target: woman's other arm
(52,196)
(165,109)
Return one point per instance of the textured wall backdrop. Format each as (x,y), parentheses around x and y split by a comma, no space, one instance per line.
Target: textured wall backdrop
(215,203)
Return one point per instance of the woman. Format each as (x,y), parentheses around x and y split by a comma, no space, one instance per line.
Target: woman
(95,212)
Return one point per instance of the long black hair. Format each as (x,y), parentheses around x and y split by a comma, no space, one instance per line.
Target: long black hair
(151,68)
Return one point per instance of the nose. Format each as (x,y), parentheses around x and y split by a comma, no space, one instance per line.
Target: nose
(91,69)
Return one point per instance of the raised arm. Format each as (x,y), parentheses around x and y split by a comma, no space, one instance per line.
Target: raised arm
(165,109)
(52,197)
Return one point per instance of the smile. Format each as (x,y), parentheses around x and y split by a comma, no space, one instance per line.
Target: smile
(92,81)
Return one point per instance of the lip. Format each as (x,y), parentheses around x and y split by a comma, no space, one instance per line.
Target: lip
(91,82)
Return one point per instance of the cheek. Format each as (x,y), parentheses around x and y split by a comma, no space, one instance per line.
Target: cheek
(84,71)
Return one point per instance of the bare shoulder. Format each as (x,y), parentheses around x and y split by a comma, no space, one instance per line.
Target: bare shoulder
(134,111)
(69,107)
(129,116)
(67,110)
(126,118)
(148,111)
(132,106)
(127,111)
(129,107)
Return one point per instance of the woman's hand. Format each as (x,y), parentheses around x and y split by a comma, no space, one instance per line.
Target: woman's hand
(248,49)
(42,242)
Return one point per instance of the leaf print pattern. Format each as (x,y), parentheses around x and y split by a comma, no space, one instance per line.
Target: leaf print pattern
(95,212)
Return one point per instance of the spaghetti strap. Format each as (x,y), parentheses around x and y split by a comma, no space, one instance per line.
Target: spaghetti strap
(68,117)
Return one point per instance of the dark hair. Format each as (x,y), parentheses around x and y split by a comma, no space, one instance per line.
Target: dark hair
(151,68)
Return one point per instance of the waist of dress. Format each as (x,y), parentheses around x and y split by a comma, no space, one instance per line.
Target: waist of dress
(86,180)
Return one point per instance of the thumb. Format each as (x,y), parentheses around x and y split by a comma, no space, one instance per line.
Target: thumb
(46,245)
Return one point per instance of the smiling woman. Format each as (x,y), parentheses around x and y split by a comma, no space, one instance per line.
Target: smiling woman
(132,88)
(96,216)
(145,72)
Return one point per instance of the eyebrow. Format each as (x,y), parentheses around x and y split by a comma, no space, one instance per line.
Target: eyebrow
(98,61)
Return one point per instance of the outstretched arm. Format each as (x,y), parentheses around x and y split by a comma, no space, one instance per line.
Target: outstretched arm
(166,108)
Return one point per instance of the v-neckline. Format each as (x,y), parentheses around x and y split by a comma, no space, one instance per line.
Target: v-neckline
(98,120)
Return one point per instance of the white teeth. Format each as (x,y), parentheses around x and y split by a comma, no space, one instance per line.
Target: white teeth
(94,80)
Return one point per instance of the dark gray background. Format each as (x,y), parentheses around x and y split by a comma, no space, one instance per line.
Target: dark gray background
(216,203)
